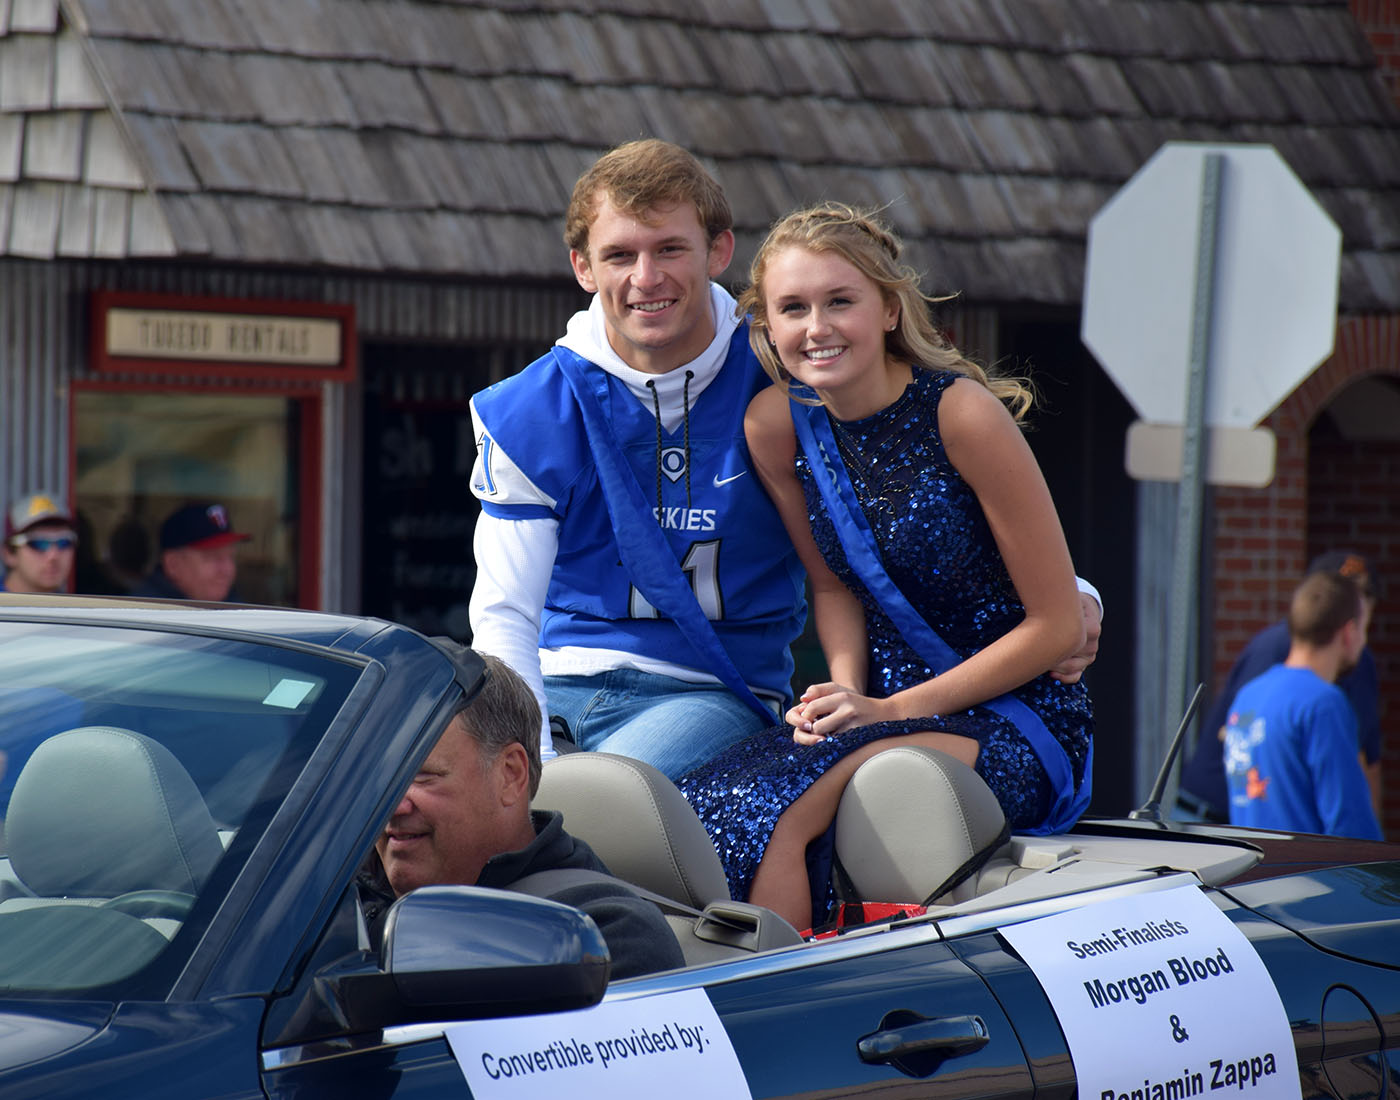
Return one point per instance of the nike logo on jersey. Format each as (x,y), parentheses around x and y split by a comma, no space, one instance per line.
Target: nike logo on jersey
(721,482)
(685,519)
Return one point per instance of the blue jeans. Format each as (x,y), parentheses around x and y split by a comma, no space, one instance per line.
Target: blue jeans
(671,724)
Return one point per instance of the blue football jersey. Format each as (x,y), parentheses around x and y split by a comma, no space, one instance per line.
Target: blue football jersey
(700,489)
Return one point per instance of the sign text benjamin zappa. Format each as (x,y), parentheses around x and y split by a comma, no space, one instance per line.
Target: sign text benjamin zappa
(1178,971)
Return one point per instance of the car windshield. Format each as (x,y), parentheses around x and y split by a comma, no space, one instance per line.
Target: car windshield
(137,770)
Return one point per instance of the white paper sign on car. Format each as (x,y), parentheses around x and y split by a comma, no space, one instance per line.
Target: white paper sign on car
(672,1044)
(1161,997)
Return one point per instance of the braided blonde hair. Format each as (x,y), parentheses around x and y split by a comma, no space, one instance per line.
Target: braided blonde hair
(864,241)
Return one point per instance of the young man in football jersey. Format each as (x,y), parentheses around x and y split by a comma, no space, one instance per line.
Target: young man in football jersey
(629,564)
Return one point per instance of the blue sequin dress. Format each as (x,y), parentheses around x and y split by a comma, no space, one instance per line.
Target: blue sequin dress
(938,549)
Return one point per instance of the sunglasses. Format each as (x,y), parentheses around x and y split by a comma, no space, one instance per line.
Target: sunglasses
(42,545)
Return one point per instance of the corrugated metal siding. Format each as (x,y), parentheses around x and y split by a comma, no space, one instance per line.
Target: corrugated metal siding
(36,350)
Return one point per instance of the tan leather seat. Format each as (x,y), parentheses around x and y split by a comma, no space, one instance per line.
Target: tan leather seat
(641,826)
(913,824)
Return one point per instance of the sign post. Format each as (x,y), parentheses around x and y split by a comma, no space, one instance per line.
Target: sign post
(1210,293)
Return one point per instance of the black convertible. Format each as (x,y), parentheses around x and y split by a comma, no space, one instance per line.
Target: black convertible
(188,793)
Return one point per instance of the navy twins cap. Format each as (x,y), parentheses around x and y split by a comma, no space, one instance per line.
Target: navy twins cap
(203,526)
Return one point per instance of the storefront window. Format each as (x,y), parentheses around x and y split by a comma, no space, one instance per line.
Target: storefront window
(142,454)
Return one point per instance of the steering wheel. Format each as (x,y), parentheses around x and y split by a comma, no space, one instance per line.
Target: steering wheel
(152,903)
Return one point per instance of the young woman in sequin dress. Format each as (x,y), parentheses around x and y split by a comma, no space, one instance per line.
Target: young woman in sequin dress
(962,526)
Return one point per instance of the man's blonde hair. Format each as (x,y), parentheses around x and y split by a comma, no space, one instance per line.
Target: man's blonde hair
(639,176)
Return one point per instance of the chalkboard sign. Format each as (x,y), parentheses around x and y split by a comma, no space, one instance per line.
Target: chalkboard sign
(419,513)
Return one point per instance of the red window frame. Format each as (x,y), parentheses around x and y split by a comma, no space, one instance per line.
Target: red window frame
(298,383)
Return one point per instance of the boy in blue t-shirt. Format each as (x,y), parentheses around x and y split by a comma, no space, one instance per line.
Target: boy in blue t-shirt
(1290,742)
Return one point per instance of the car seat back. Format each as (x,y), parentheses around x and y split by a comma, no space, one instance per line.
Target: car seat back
(101,811)
(646,833)
(913,824)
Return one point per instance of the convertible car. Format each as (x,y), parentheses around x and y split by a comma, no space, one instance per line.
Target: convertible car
(188,794)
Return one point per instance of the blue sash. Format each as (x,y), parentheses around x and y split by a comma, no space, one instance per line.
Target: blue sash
(858,541)
(646,555)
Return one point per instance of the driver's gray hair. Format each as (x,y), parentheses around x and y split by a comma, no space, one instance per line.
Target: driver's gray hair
(503,712)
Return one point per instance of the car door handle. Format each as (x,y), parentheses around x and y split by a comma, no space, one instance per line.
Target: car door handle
(918,1045)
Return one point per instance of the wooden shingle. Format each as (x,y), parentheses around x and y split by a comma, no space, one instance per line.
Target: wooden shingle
(741,60)
(341,232)
(210,24)
(11,146)
(992,126)
(142,76)
(201,226)
(108,160)
(894,71)
(34,220)
(150,232)
(53,146)
(26,72)
(290,92)
(810,65)
(386,95)
(213,85)
(111,222)
(239,158)
(75,222)
(74,85)
(33,16)
(162,154)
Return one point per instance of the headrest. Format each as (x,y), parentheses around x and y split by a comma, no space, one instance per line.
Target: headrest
(100,811)
(913,823)
(637,822)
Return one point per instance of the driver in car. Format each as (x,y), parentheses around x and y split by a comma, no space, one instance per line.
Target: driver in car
(466,820)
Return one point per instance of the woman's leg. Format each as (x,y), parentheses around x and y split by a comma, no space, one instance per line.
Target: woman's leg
(780,883)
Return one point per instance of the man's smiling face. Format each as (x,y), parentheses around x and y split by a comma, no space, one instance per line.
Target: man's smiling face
(446,826)
(652,277)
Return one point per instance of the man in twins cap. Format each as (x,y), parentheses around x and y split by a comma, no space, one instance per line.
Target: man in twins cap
(197,544)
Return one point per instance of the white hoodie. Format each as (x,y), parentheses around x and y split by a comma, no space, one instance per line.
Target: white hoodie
(515,558)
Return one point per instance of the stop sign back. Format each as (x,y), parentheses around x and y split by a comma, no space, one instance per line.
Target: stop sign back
(1277,267)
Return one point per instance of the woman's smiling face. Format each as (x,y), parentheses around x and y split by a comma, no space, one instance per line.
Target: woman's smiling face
(828,322)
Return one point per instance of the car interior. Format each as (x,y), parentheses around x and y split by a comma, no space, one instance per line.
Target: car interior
(122,790)
(128,766)
(914,827)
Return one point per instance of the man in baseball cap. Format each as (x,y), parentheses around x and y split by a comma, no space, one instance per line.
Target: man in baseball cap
(197,562)
(39,544)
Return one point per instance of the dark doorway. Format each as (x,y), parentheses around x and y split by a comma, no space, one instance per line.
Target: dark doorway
(419,512)
(1078,432)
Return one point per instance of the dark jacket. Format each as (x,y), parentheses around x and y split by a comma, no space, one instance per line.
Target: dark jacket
(157,585)
(638,937)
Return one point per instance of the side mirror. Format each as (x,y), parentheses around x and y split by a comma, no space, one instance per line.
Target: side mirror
(468,952)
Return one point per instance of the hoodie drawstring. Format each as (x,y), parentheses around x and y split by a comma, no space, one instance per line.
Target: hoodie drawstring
(685,404)
(656,408)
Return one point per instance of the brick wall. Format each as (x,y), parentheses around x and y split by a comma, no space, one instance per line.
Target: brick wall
(1380,19)
(1327,494)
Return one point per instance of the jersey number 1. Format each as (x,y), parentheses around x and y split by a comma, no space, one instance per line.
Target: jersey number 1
(701,569)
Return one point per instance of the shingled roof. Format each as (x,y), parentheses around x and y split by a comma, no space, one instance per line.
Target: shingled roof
(421,137)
